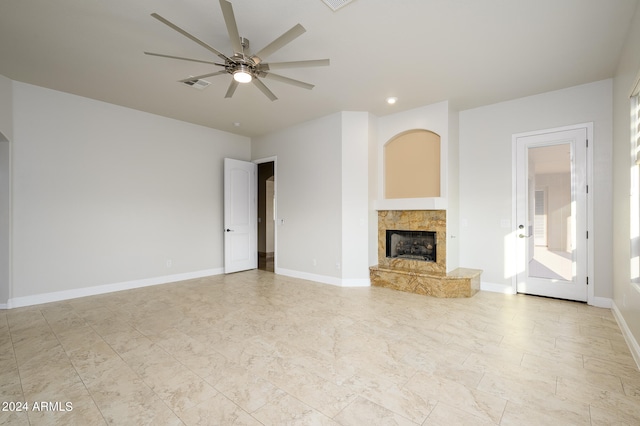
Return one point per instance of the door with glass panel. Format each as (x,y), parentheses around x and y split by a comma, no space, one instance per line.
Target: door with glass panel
(551,214)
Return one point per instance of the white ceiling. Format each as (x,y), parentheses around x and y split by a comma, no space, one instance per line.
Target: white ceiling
(470,52)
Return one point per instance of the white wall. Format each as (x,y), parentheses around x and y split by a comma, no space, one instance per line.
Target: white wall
(309,197)
(322,197)
(6,134)
(486,171)
(453,190)
(355,198)
(105,195)
(626,297)
(6,109)
(374,175)
(5,222)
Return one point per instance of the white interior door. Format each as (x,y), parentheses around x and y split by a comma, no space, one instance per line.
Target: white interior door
(554,164)
(240,216)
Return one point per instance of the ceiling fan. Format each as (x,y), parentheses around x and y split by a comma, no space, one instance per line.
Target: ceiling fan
(243,65)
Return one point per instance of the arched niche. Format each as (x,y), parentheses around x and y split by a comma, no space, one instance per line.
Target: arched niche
(412,165)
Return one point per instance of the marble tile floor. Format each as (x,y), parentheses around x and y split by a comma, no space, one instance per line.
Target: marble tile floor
(254,348)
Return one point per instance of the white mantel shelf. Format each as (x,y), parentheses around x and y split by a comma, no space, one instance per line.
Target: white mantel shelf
(432,203)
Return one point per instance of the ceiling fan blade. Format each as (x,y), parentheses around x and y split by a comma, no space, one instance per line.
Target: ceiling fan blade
(189,36)
(232,26)
(278,43)
(264,89)
(183,59)
(231,89)
(198,77)
(288,80)
(295,64)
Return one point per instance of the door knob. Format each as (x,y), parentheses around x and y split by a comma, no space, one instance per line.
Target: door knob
(521,235)
(229,230)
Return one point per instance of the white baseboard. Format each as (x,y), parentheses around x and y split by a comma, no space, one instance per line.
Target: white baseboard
(356,282)
(324,279)
(56,296)
(634,347)
(4,306)
(496,288)
(601,302)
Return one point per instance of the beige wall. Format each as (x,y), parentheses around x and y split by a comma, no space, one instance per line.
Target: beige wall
(412,165)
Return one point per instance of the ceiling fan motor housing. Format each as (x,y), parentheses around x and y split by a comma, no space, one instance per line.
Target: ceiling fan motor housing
(242,61)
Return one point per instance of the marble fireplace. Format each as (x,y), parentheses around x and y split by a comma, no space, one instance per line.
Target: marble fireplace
(432,221)
(412,250)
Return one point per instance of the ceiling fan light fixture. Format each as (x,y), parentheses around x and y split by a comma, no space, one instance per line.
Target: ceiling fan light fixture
(242,65)
(242,74)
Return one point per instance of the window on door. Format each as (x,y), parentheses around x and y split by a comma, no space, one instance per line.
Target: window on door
(551,211)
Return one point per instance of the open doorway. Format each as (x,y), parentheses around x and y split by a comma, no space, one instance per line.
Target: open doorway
(266,216)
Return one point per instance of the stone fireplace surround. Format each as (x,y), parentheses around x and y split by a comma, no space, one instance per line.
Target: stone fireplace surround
(416,276)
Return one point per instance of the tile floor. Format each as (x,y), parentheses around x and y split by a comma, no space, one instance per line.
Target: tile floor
(255,348)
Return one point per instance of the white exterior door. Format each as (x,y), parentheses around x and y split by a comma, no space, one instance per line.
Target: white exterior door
(240,216)
(551,198)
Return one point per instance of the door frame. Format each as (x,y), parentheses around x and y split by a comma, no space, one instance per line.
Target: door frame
(273,159)
(589,171)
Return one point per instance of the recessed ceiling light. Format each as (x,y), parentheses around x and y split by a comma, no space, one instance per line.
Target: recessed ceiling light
(237,124)
(392,100)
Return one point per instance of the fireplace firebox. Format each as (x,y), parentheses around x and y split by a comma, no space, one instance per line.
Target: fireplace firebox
(413,245)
